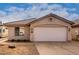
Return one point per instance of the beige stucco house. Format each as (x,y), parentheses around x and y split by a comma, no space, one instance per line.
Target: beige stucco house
(50,27)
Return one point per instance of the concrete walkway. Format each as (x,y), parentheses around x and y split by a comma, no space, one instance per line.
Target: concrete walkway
(3,40)
(69,48)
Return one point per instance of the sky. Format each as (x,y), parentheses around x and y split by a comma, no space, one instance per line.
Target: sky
(19,11)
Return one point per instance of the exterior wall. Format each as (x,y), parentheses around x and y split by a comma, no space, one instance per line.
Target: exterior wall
(74,32)
(11,33)
(45,22)
(27,32)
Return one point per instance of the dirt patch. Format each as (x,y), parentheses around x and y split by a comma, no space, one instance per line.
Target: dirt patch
(26,49)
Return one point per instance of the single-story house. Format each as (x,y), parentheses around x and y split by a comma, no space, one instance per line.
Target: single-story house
(50,27)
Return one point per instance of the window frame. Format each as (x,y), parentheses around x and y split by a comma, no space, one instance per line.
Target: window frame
(17,29)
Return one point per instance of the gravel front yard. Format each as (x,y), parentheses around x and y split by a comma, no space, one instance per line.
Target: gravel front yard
(21,49)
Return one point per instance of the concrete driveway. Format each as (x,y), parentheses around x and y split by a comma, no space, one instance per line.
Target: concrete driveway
(67,48)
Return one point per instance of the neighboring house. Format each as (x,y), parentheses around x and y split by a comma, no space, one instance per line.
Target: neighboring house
(3,31)
(0,29)
(47,28)
(75,30)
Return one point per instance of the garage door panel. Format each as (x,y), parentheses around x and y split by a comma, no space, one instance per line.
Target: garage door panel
(50,34)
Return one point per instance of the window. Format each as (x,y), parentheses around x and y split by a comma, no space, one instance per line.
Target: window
(77,32)
(0,30)
(19,31)
(3,30)
(16,31)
